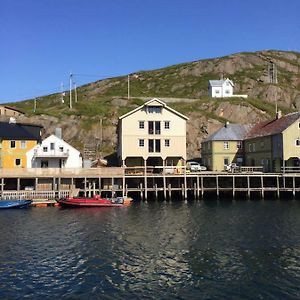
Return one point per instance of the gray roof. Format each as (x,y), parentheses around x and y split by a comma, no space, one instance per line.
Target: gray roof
(216,82)
(230,132)
(19,131)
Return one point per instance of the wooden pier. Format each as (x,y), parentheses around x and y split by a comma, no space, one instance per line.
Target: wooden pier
(145,184)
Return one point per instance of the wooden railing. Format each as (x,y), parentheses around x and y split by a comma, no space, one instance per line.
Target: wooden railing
(6,195)
(290,169)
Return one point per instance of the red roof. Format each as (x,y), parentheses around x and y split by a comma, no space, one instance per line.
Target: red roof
(272,127)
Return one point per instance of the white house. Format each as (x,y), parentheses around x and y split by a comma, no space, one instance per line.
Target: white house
(53,152)
(153,134)
(220,88)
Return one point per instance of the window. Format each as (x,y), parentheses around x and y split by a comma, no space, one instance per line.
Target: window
(154,127)
(23,144)
(44,164)
(253,146)
(226,145)
(141,124)
(227,91)
(52,146)
(141,143)
(18,162)
(239,144)
(299,125)
(298,142)
(61,149)
(154,109)
(151,145)
(167,124)
(150,127)
(12,144)
(154,145)
(45,149)
(262,145)
(157,127)
(226,161)
(167,143)
(217,92)
(250,147)
(157,145)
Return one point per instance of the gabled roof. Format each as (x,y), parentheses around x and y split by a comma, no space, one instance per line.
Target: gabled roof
(272,127)
(219,83)
(154,102)
(12,108)
(230,132)
(58,139)
(19,131)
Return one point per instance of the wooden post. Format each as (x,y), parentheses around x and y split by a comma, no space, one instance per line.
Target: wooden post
(18,184)
(2,185)
(141,190)
(233,186)
(170,190)
(145,179)
(217,184)
(202,187)
(156,195)
(85,187)
(123,184)
(58,186)
(294,187)
(100,188)
(262,187)
(248,187)
(278,187)
(198,192)
(164,181)
(185,183)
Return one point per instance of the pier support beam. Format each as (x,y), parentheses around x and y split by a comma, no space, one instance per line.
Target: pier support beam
(145,179)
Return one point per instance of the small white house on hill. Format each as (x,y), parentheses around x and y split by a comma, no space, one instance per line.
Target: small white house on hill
(220,88)
(53,152)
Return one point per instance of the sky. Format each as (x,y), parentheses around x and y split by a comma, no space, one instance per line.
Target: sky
(42,41)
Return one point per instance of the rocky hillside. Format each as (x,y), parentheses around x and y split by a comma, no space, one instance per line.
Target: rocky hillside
(91,123)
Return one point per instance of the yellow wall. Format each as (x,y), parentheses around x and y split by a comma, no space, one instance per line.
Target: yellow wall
(213,155)
(9,155)
(289,141)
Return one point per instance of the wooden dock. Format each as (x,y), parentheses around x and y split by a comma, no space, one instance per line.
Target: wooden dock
(146,183)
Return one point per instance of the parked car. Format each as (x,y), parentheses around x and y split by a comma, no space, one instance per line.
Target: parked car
(193,166)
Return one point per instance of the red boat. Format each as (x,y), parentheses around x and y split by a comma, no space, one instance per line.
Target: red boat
(95,201)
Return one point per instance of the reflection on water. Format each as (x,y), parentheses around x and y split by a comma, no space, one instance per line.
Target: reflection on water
(170,250)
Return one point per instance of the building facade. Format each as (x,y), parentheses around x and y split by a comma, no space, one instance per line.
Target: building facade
(224,147)
(274,144)
(10,111)
(53,152)
(220,88)
(15,140)
(153,134)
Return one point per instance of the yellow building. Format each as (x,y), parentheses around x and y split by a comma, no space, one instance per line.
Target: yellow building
(153,134)
(224,147)
(15,141)
(275,144)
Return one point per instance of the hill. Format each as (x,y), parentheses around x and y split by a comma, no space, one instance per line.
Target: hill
(91,123)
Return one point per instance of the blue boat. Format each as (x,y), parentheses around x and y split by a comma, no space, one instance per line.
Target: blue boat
(14,203)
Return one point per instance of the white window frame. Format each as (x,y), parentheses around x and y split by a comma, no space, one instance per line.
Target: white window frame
(167,125)
(141,124)
(16,162)
(297,142)
(141,143)
(14,145)
(45,149)
(23,144)
(226,145)
(167,143)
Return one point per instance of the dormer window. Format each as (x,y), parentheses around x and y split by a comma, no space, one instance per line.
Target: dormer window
(154,109)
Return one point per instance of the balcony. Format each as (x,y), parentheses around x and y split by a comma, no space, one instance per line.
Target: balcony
(39,153)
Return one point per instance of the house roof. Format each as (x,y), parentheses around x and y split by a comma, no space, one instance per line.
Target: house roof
(12,108)
(19,131)
(154,102)
(219,83)
(230,132)
(274,126)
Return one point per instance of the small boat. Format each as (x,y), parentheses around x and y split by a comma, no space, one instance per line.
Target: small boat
(96,201)
(14,203)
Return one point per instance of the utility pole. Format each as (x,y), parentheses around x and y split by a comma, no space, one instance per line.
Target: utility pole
(71,90)
(34,105)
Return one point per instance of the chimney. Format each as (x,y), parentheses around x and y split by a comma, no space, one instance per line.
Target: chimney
(58,133)
(278,114)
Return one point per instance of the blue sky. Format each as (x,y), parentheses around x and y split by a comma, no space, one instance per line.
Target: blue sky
(43,40)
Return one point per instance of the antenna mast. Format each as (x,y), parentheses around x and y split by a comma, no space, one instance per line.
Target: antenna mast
(273,80)
(62,92)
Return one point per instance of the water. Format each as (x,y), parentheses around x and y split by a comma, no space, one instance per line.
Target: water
(157,250)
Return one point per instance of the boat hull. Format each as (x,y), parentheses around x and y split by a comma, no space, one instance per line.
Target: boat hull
(5,204)
(94,202)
